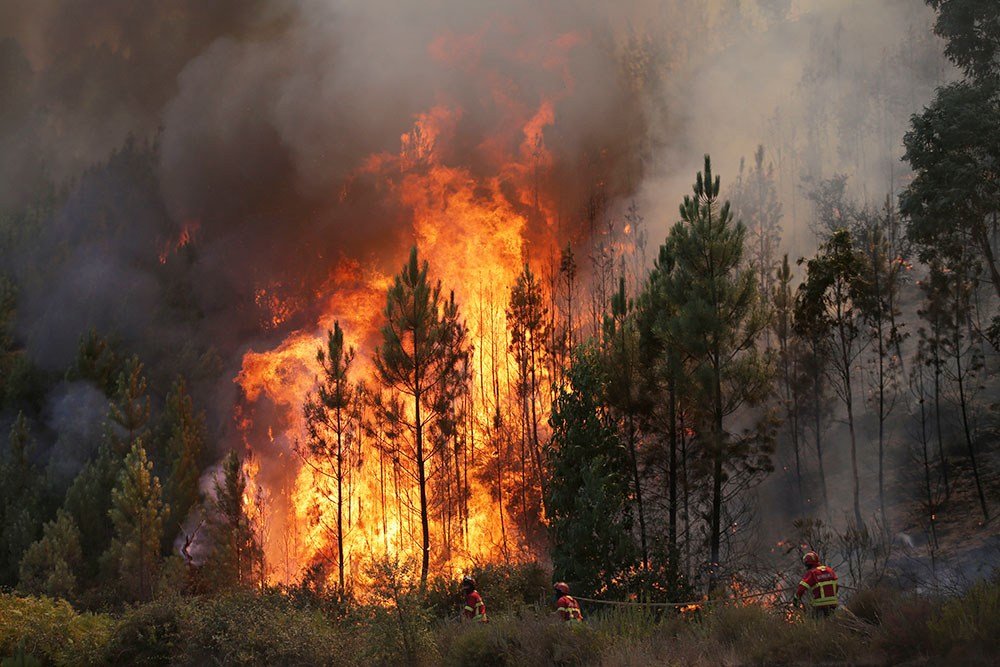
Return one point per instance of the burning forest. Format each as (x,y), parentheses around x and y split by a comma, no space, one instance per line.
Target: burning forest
(613,332)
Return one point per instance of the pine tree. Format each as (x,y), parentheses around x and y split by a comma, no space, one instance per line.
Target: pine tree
(235,556)
(718,324)
(89,496)
(783,326)
(421,349)
(622,358)
(828,301)
(21,489)
(880,291)
(129,414)
(185,443)
(590,516)
(137,514)
(330,422)
(96,361)
(952,288)
(51,566)
(527,320)
(661,375)
(756,204)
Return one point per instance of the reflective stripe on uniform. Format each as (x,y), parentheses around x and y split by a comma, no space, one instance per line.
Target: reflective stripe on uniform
(823,600)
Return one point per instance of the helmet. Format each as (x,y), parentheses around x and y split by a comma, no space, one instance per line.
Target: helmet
(561,587)
(468,582)
(811,559)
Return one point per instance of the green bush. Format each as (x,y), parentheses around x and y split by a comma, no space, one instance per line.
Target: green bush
(505,588)
(969,624)
(52,631)
(149,635)
(250,629)
(526,639)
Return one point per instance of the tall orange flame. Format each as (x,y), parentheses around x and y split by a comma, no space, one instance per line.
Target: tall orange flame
(473,233)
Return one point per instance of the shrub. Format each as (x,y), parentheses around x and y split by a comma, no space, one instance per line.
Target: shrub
(970,623)
(505,588)
(52,631)
(525,639)
(148,635)
(249,629)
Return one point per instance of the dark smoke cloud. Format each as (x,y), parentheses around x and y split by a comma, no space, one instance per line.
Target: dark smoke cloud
(250,122)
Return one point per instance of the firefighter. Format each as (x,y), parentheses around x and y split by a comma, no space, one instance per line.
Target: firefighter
(566,605)
(820,582)
(475,608)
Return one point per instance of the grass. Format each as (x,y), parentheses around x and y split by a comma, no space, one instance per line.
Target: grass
(883,627)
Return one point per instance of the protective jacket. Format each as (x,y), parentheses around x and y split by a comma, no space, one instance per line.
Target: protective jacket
(475,608)
(569,609)
(821,584)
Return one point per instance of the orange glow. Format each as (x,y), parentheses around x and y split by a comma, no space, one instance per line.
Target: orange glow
(188,232)
(473,231)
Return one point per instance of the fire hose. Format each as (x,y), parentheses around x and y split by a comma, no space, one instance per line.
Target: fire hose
(695,603)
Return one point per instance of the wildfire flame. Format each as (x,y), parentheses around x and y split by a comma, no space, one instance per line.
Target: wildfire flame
(474,232)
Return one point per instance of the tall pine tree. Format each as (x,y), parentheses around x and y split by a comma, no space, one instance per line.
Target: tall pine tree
(137,513)
(717,327)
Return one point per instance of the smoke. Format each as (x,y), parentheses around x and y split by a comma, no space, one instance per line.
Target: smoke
(827,86)
(253,121)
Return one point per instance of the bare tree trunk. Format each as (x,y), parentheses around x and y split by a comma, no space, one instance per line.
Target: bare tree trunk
(963,404)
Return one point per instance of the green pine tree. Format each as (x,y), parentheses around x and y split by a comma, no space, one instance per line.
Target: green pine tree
(20,500)
(185,444)
(588,493)
(96,361)
(331,423)
(137,513)
(235,556)
(622,355)
(422,349)
(51,566)
(89,496)
(719,321)
(828,306)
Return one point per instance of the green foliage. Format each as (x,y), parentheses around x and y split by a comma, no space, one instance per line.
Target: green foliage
(247,629)
(185,446)
(235,556)
(52,565)
(397,627)
(51,630)
(972,619)
(88,501)
(151,634)
(972,30)
(20,500)
(97,362)
(421,356)
(129,413)
(137,513)
(521,640)
(717,324)
(504,587)
(588,495)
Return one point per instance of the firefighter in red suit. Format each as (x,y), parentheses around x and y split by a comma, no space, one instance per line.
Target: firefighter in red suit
(475,608)
(566,605)
(818,585)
